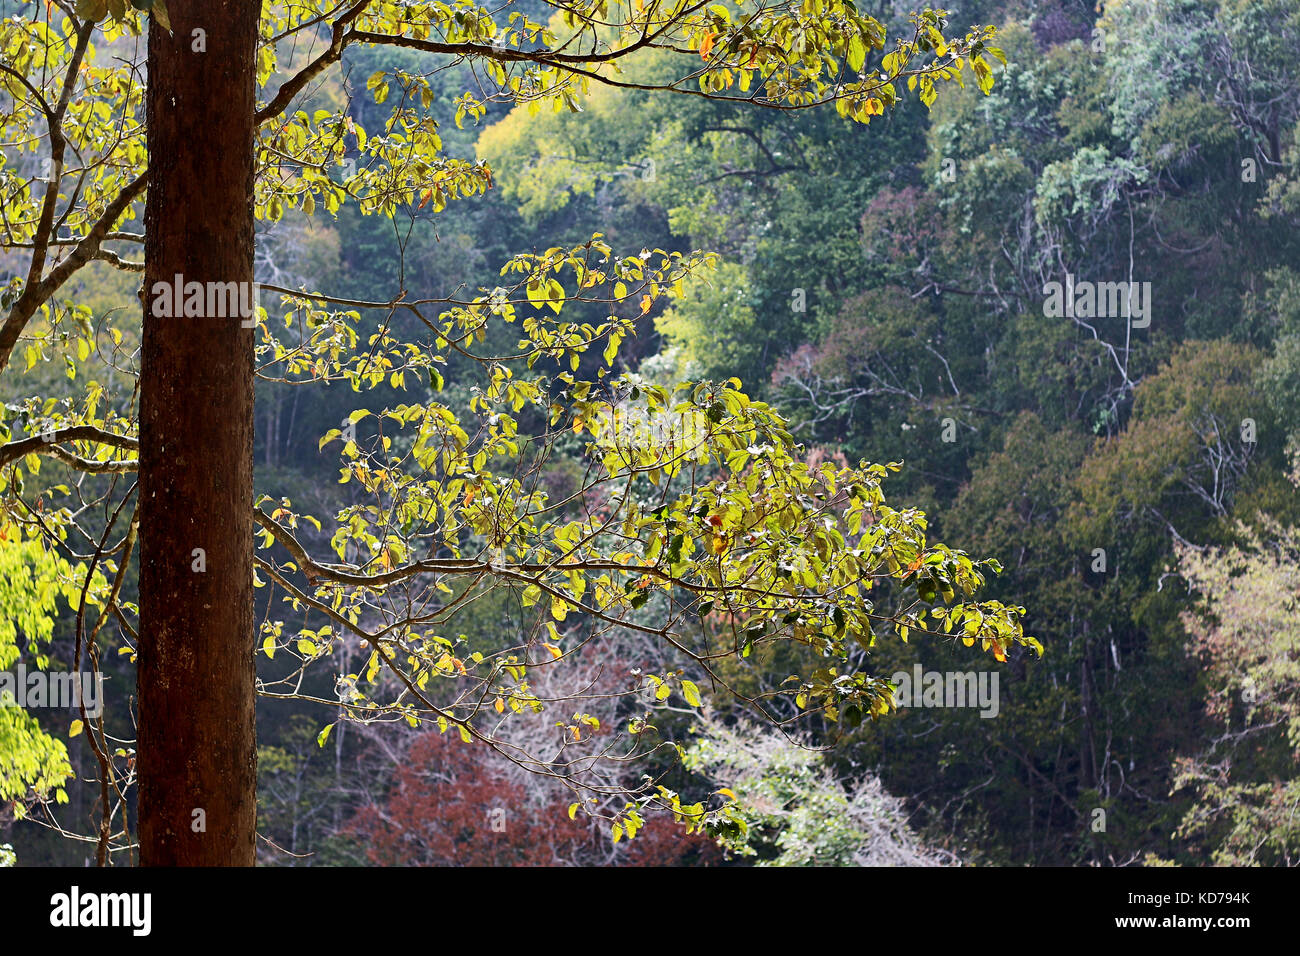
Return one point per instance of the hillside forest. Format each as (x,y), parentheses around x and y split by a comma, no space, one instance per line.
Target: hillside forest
(605,436)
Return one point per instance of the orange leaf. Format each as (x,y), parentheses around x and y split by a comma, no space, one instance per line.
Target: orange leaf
(646,302)
(706,45)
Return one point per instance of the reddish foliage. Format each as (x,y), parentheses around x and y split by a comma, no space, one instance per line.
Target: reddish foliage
(901,227)
(449,807)
(1061,26)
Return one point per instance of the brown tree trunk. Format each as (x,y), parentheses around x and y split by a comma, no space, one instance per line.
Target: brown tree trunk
(197,757)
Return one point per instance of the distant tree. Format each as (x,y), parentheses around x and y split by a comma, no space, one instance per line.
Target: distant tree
(1245,629)
(448,806)
(797,813)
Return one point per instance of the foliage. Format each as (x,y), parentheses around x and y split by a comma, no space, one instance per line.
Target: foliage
(452,805)
(879,291)
(31,761)
(1245,630)
(796,812)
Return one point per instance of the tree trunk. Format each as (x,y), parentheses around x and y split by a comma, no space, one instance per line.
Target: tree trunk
(197,756)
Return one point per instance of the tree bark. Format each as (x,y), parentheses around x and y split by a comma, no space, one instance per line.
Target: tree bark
(197,748)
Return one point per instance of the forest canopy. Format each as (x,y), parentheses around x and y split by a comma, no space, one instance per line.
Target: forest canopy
(635,391)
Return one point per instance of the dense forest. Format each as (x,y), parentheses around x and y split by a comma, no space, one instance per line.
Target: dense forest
(1058,303)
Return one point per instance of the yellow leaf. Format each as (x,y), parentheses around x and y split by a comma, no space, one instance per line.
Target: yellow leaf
(691,693)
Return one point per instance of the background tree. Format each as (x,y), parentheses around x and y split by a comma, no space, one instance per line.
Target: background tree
(1244,630)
